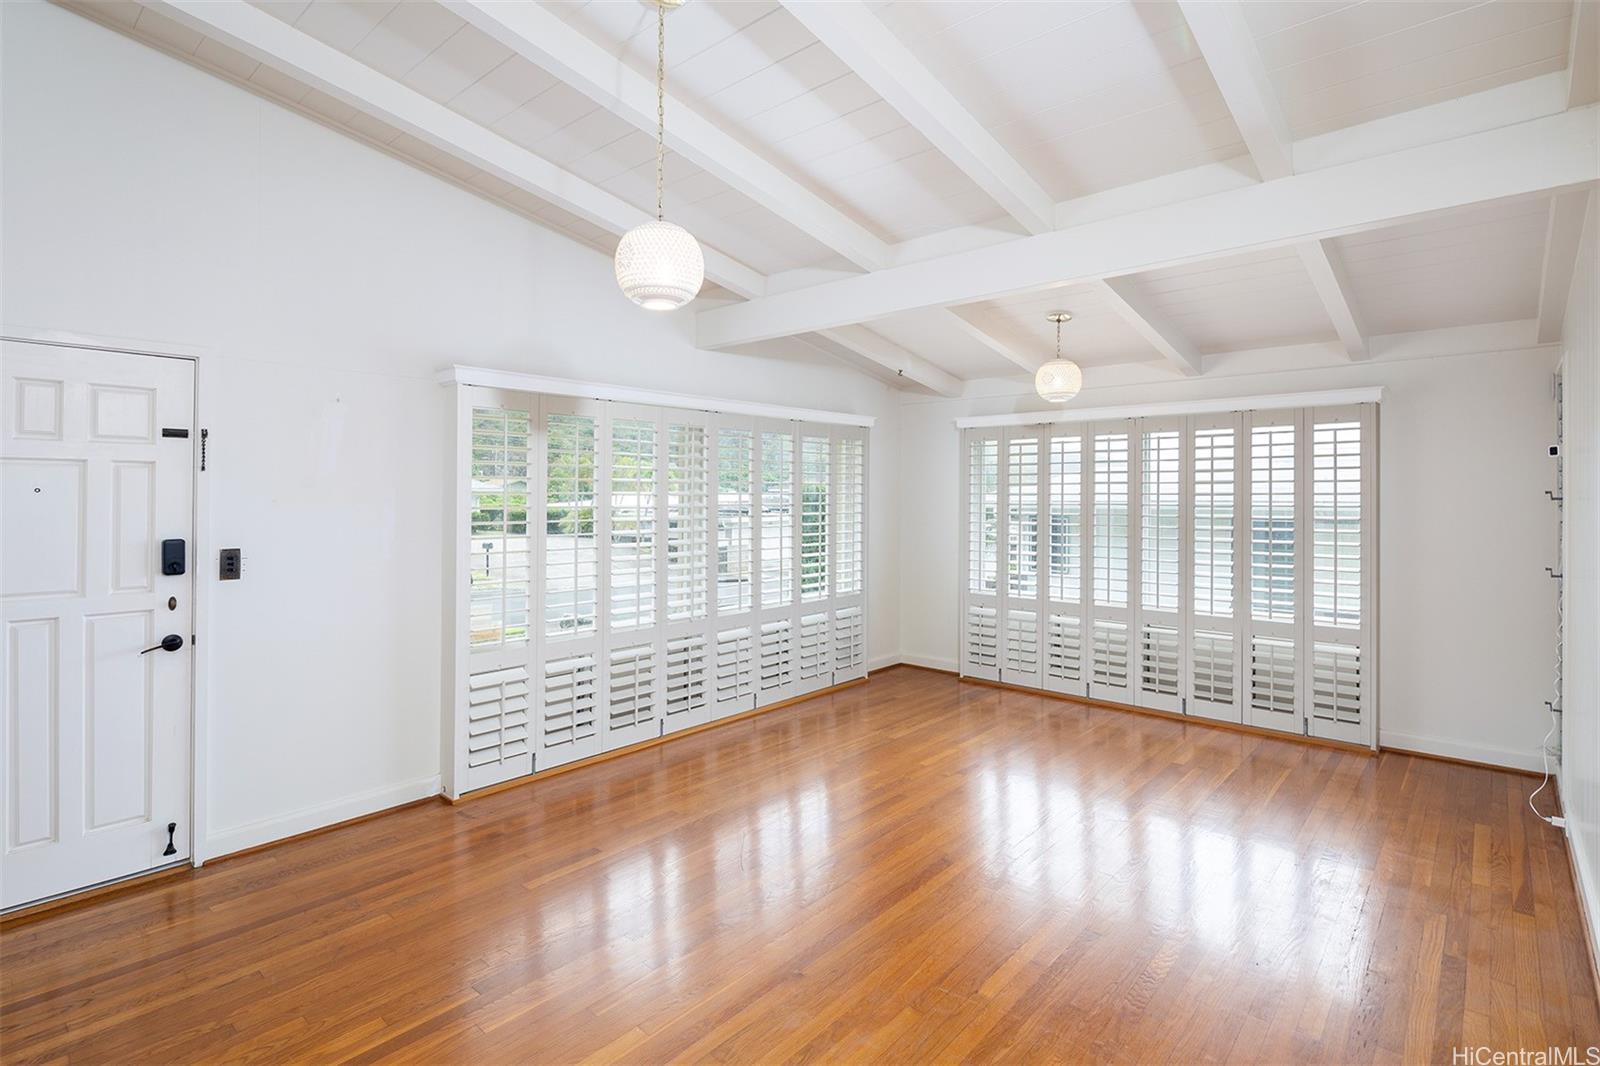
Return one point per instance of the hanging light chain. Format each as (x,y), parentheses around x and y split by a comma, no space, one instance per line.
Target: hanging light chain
(661,102)
(1058,338)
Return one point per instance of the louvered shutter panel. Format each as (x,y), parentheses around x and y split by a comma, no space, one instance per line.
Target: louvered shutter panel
(1021,592)
(736,678)
(1275,589)
(1216,547)
(1112,541)
(982,554)
(498,747)
(736,530)
(688,682)
(1163,517)
(775,672)
(568,711)
(1342,499)
(1064,585)
(849,644)
(815,487)
(633,694)
(814,661)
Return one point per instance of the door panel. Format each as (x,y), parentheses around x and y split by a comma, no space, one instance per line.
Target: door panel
(96,728)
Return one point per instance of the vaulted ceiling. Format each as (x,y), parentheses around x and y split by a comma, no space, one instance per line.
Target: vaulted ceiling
(912,185)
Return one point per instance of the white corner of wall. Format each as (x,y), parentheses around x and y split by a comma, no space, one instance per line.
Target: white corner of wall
(931,662)
(1456,749)
(254,834)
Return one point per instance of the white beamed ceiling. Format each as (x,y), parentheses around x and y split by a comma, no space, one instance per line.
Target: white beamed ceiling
(1090,99)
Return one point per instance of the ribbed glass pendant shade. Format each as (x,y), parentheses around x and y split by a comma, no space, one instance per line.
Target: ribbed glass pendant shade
(660,266)
(1058,381)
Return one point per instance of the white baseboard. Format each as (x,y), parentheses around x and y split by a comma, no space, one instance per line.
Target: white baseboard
(1458,749)
(265,831)
(1588,890)
(917,660)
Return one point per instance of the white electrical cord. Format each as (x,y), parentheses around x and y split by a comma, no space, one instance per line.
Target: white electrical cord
(1555,720)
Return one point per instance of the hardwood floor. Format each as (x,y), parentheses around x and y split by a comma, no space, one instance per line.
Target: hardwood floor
(912,870)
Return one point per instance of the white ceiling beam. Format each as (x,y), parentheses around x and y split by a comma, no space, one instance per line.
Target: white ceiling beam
(886,353)
(545,40)
(1236,66)
(852,32)
(1012,351)
(1122,295)
(1583,54)
(1539,156)
(1325,267)
(1563,233)
(280,46)
(1224,38)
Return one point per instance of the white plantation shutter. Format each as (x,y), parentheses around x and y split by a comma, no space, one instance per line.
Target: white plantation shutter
(1065,541)
(688,682)
(980,536)
(498,744)
(1163,570)
(815,661)
(735,671)
(1273,484)
(1112,538)
(568,726)
(633,696)
(815,488)
(1341,698)
(626,571)
(1218,565)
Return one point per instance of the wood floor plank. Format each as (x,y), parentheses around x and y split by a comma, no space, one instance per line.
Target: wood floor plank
(914,870)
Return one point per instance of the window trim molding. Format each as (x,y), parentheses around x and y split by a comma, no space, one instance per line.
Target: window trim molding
(1270,402)
(517,381)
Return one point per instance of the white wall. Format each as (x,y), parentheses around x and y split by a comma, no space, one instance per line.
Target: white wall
(146,199)
(1466,613)
(1580,725)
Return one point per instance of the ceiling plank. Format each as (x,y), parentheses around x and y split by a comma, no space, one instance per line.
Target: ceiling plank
(852,32)
(1224,38)
(1122,295)
(886,353)
(544,39)
(1583,54)
(1326,270)
(1015,352)
(1538,156)
(280,46)
(1230,52)
(1563,234)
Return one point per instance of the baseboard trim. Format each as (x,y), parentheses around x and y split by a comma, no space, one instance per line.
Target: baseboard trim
(645,745)
(1587,889)
(1460,752)
(320,818)
(32,911)
(1172,716)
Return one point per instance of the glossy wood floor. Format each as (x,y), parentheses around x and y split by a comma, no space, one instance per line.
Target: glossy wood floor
(914,870)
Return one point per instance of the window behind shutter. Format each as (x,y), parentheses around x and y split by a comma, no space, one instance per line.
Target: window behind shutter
(1066,518)
(633,523)
(849,509)
(735,521)
(777,519)
(1341,699)
(815,482)
(572,557)
(500,557)
(688,549)
(1111,519)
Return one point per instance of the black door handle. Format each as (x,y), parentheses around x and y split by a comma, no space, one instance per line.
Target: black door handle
(170,642)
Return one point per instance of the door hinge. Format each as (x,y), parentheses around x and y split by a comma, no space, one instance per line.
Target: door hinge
(204,433)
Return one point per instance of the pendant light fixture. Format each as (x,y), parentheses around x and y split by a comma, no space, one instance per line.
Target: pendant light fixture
(1060,379)
(659,265)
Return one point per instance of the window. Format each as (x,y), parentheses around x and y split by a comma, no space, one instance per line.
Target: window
(1213,522)
(777,519)
(1022,518)
(1272,523)
(1066,519)
(849,508)
(1235,585)
(815,490)
(735,536)
(499,553)
(572,556)
(1158,514)
(633,523)
(1111,520)
(687,523)
(983,516)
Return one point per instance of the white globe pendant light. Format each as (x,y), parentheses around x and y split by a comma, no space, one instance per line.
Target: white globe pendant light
(659,265)
(1060,379)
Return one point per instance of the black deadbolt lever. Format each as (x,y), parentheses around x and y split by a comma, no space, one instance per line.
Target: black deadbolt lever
(172,849)
(170,642)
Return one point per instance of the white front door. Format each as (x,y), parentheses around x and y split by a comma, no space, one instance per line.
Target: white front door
(94,476)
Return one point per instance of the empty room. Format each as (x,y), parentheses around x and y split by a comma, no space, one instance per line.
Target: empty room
(778,531)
